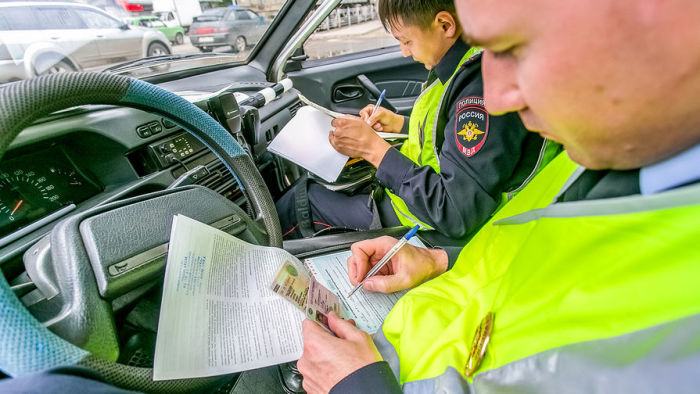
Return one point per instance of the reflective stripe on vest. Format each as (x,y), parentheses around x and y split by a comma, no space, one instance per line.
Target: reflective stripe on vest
(609,365)
(420,146)
(567,273)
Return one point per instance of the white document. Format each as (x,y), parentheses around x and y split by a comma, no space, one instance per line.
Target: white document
(325,110)
(392,136)
(218,313)
(304,141)
(368,309)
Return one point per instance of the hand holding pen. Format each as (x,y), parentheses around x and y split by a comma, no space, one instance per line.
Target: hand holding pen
(380,118)
(377,105)
(385,259)
(409,267)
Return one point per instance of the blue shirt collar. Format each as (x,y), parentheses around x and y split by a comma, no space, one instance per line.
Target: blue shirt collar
(679,170)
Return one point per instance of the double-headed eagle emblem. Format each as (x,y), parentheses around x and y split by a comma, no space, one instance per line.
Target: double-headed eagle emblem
(470,132)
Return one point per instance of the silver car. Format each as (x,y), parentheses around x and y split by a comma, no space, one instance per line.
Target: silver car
(39,38)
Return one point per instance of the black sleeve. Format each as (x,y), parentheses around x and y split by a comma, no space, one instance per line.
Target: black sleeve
(404,128)
(478,156)
(373,378)
(452,255)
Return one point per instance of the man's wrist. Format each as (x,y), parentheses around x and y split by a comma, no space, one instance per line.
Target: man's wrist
(440,261)
(376,155)
(398,123)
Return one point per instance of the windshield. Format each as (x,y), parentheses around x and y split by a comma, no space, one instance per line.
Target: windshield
(211,15)
(42,37)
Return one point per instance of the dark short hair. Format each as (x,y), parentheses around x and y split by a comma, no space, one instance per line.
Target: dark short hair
(412,12)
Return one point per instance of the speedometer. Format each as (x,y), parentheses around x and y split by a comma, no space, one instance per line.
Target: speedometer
(26,195)
(37,185)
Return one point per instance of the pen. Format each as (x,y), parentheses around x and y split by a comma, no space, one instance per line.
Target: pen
(379,102)
(403,241)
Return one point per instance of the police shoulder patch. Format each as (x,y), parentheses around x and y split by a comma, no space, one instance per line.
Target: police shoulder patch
(471,125)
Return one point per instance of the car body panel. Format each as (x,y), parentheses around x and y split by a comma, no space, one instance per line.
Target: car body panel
(82,35)
(177,12)
(335,82)
(221,26)
(152,22)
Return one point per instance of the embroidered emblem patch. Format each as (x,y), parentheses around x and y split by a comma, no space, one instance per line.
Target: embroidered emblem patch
(471,125)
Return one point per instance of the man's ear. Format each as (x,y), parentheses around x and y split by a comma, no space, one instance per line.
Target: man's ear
(447,23)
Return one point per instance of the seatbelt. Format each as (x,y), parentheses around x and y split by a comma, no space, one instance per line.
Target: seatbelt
(302,207)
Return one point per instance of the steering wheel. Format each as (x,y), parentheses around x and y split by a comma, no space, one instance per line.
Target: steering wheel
(27,346)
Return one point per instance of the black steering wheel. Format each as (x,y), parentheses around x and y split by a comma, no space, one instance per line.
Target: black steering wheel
(27,346)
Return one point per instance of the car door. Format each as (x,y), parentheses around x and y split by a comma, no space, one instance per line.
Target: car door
(62,28)
(245,26)
(258,26)
(115,43)
(159,25)
(346,63)
(347,83)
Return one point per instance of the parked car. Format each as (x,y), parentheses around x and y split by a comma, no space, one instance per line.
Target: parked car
(236,27)
(39,38)
(174,33)
(179,12)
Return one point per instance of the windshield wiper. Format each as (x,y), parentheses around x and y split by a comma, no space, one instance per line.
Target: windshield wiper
(156,59)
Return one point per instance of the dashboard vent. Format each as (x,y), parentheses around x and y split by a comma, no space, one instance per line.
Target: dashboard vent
(221,181)
(295,107)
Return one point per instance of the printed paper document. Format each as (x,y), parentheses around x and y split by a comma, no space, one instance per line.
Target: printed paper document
(219,313)
(304,141)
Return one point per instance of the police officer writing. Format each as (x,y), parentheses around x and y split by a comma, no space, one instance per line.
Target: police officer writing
(458,164)
(594,292)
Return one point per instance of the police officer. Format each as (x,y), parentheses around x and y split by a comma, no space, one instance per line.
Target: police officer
(458,164)
(596,292)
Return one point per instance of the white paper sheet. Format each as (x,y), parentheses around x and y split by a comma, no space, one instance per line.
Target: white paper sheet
(368,309)
(218,313)
(325,110)
(304,141)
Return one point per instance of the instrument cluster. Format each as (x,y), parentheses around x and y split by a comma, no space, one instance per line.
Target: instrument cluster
(37,184)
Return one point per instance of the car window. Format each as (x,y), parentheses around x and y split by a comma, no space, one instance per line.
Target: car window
(242,15)
(19,18)
(211,15)
(95,20)
(348,29)
(196,29)
(57,18)
(155,23)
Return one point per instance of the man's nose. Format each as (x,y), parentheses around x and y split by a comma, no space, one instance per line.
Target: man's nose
(501,89)
(404,51)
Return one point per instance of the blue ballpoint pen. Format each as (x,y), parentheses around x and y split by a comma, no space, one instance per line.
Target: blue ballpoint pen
(403,241)
(379,102)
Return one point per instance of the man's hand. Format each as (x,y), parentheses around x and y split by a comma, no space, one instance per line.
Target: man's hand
(408,268)
(353,137)
(327,359)
(382,120)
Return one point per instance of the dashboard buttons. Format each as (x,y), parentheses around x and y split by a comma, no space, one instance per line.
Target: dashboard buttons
(149,129)
(169,124)
(143,131)
(155,127)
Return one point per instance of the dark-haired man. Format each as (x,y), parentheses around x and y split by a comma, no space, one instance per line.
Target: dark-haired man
(458,164)
(587,281)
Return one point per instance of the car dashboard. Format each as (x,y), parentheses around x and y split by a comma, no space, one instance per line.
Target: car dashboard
(88,156)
